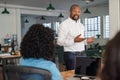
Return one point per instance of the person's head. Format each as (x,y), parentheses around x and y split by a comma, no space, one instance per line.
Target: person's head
(75,12)
(111,60)
(38,42)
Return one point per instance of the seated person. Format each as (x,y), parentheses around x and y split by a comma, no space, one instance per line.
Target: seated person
(37,50)
(110,68)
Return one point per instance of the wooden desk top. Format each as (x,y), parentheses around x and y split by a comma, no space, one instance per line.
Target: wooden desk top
(66,74)
(3,56)
(10,56)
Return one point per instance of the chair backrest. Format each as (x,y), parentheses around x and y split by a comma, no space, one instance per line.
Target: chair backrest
(17,72)
(1,73)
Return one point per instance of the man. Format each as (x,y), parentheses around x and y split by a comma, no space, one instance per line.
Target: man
(71,37)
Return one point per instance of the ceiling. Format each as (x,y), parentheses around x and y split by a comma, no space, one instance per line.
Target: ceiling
(58,4)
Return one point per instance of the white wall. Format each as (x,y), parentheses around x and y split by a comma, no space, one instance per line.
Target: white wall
(114,10)
(8,23)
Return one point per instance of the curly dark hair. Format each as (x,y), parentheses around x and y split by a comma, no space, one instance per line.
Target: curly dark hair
(38,42)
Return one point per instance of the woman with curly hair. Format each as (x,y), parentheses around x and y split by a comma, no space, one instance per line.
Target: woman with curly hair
(37,50)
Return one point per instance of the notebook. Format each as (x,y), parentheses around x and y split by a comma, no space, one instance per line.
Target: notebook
(86,66)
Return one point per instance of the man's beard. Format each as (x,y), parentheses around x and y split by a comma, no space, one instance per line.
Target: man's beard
(73,17)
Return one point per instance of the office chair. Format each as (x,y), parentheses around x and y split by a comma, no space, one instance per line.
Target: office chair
(1,73)
(17,72)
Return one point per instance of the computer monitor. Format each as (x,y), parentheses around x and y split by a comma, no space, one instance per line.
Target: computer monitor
(86,66)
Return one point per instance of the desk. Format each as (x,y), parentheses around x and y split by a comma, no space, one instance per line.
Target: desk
(5,58)
(4,61)
(66,74)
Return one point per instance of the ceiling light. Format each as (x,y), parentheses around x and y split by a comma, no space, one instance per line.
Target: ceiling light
(88,1)
(87,11)
(60,15)
(5,11)
(42,18)
(26,21)
(50,7)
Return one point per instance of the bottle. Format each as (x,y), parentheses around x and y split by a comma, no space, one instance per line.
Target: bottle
(0,49)
(12,50)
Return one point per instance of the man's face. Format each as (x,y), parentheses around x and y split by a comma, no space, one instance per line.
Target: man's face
(75,13)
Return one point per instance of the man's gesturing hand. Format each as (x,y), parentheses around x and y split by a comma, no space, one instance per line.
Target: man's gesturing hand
(78,38)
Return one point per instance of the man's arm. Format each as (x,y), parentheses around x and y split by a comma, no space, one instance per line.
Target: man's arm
(90,40)
(78,39)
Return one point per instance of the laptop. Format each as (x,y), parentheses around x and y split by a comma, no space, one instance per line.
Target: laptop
(86,66)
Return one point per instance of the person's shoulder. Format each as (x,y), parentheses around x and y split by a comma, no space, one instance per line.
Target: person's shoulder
(65,21)
(48,62)
(43,63)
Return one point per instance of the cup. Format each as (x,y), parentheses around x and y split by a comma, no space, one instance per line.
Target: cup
(85,78)
(5,49)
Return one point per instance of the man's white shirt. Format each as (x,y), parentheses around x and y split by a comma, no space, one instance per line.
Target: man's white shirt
(68,30)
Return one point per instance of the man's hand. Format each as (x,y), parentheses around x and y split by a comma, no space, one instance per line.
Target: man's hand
(78,39)
(90,40)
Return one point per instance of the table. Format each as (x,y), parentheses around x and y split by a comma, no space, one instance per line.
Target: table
(4,61)
(5,58)
(66,74)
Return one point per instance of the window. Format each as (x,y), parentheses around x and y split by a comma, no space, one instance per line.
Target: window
(92,26)
(56,26)
(47,25)
(106,27)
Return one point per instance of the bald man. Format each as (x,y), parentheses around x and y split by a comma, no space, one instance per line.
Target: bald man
(71,37)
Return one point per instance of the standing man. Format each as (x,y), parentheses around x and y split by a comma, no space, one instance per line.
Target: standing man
(71,37)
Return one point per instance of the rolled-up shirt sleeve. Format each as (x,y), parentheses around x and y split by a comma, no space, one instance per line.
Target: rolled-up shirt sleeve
(63,39)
